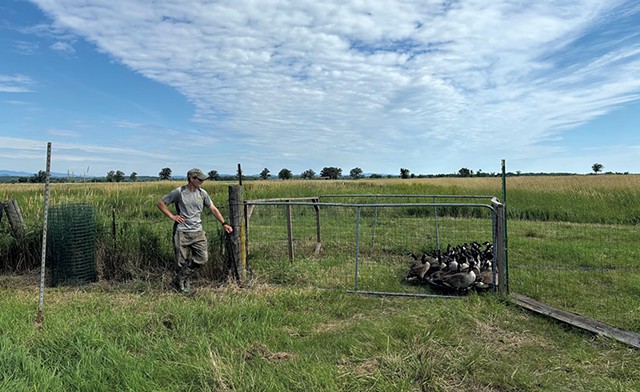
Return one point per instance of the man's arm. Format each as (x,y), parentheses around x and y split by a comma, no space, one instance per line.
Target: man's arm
(162,206)
(220,218)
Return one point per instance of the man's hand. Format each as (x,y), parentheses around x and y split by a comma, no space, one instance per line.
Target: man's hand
(177,218)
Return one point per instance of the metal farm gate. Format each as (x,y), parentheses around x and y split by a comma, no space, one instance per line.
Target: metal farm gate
(366,245)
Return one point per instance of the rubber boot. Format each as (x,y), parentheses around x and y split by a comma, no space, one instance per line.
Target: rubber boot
(184,282)
(181,282)
(178,281)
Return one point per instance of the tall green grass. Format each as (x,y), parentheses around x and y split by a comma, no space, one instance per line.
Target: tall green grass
(539,198)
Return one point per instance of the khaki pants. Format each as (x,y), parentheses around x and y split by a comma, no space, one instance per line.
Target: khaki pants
(190,246)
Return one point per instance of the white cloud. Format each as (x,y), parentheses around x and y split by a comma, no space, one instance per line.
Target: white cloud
(384,83)
(15,83)
(26,47)
(64,47)
(63,133)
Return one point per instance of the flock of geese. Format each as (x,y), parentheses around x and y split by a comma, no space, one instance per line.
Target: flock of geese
(459,269)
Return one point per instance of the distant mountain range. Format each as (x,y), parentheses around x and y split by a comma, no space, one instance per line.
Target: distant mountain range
(9,173)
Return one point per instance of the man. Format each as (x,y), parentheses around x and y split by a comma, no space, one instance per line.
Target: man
(189,240)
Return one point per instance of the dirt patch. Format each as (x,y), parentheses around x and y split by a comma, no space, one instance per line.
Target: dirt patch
(259,350)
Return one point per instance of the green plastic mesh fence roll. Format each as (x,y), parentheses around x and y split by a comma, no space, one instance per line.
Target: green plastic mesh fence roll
(71,244)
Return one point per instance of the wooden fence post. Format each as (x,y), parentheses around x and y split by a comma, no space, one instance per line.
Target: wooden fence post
(15,218)
(237,257)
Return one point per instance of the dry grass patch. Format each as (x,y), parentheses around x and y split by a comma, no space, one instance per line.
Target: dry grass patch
(338,325)
(260,350)
(502,339)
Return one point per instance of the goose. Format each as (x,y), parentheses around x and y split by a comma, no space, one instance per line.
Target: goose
(452,265)
(418,268)
(459,281)
(443,262)
(486,277)
(459,269)
(433,261)
(487,253)
(465,265)
(480,285)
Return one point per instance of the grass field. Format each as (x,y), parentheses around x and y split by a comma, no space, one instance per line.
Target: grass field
(137,336)
(282,331)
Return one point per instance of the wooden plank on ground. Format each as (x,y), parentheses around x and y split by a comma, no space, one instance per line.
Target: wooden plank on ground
(589,324)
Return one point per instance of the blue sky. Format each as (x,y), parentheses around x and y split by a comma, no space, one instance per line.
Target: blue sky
(431,86)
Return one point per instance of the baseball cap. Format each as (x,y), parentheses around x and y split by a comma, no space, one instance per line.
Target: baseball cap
(196,173)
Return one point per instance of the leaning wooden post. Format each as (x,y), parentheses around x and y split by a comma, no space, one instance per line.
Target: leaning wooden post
(15,218)
(237,257)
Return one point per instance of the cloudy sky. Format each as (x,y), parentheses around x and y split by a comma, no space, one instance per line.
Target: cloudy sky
(431,86)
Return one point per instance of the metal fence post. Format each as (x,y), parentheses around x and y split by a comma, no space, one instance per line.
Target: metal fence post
(375,225)
(40,316)
(357,248)
(289,232)
(318,238)
(500,248)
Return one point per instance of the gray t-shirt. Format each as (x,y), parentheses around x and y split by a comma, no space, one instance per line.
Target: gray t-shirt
(190,205)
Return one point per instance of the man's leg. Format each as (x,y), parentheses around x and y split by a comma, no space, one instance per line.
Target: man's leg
(181,249)
(199,255)
(191,254)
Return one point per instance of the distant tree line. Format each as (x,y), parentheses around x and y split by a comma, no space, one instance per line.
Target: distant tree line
(327,173)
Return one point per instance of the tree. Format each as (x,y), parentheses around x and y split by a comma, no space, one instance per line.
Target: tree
(165,174)
(264,174)
(39,178)
(213,175)
(308,174)
(404,173)
(356,173)
(133,177)
(464,172)
(332,172)
(115,176)
(597,167)
(285,174)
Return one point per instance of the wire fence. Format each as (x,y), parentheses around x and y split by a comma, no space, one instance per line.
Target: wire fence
(71,244)
(584,268)
(364,243)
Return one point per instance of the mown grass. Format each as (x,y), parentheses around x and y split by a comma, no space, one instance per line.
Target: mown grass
(292,338)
